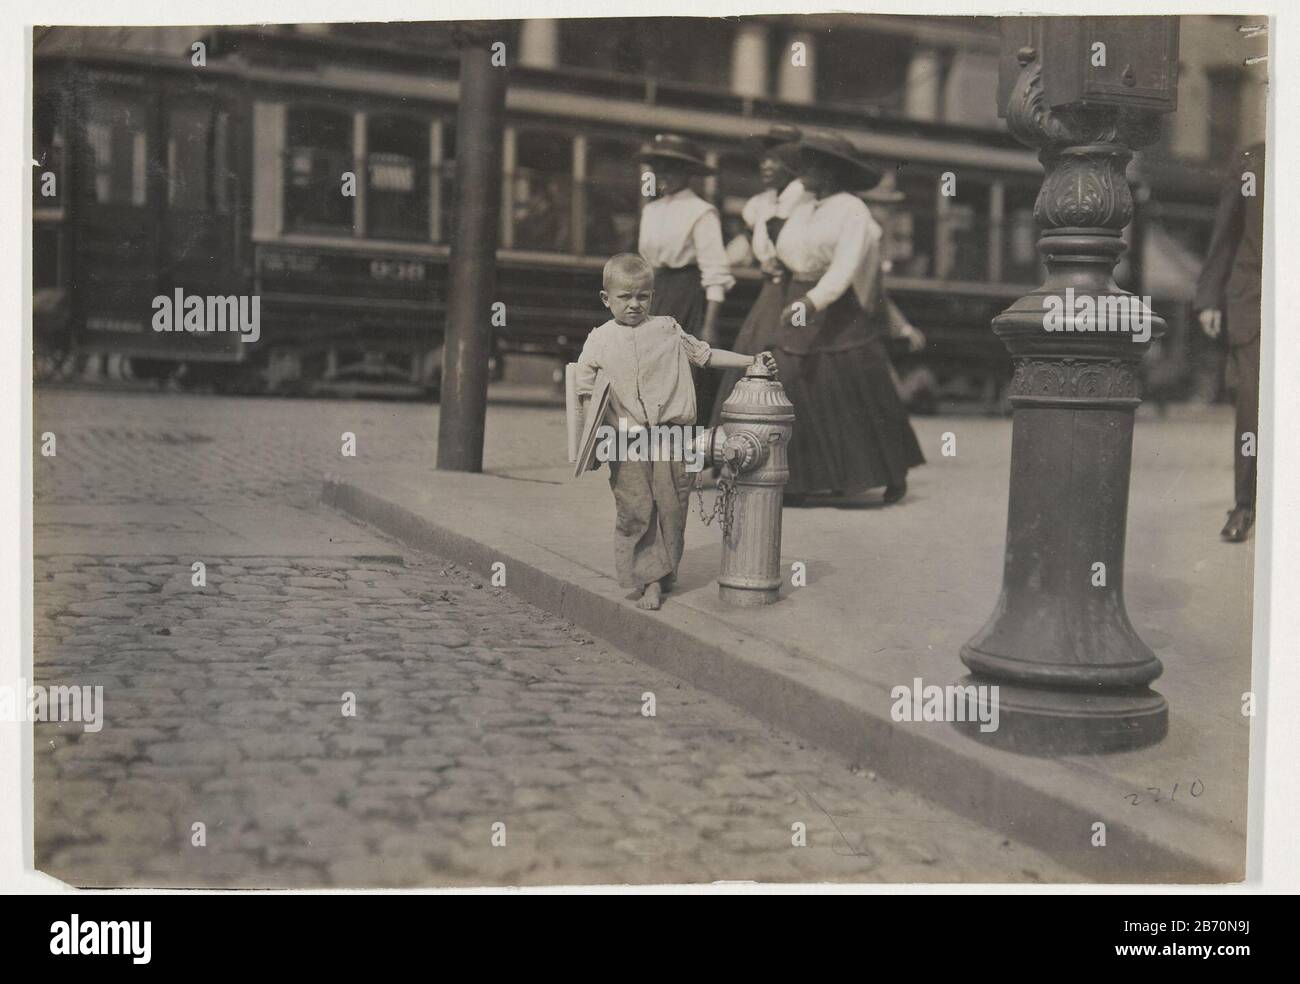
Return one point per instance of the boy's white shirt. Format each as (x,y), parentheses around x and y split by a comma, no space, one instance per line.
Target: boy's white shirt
(648,367)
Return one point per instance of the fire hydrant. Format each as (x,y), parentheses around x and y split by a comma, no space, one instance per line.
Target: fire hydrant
(751,445)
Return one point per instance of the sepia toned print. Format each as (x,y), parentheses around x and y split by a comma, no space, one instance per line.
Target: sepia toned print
(926,357)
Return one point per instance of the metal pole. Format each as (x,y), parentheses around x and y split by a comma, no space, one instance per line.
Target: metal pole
(472,270)
(1072,674)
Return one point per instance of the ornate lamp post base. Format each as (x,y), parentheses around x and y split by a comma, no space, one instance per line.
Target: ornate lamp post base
(1071,672)
(1036,721)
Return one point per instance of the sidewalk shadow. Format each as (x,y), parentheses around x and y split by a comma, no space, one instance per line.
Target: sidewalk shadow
(864,500)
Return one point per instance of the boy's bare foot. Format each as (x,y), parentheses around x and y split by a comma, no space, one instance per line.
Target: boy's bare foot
(651,598)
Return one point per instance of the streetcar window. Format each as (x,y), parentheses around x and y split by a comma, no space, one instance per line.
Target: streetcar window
(964,233)
(189,157)
(223,174)
(45,255)
(613,190)
(116,130)
(47,146)
(738,182)
(541,190)
(319,153)
(912,232)
(886,214)
(397,175)
(444,183)
(1019,235)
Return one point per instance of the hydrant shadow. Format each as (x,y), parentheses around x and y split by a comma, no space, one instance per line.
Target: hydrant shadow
(863,500)
(699,569)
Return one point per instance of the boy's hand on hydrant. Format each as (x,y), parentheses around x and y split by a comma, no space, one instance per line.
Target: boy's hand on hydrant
(767,360)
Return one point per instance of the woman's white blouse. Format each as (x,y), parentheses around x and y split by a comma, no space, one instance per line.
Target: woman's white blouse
(770,205)
(680,229)
(836,242)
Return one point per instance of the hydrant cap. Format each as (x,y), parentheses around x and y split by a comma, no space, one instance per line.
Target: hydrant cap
(758,394)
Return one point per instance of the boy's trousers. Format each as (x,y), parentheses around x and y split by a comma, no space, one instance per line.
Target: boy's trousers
(652,500)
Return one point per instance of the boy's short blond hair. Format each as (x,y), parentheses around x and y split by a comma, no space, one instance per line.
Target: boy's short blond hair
(625,265)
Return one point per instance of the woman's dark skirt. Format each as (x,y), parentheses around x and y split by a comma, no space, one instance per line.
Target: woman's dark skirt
(757,334)
(851,431)
(678,295)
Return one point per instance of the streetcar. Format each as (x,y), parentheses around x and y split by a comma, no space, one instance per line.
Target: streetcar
(317,173)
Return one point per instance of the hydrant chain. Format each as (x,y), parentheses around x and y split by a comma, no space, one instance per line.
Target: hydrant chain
(723,503)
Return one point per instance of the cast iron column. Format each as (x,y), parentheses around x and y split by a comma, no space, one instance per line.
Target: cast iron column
(1072,673)
(472,270)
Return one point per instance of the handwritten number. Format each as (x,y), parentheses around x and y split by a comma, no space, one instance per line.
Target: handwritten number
(1196,789)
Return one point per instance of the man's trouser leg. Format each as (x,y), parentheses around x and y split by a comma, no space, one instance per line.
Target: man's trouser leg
(1243,368)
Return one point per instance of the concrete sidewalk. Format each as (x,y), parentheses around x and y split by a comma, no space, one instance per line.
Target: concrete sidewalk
(891,595)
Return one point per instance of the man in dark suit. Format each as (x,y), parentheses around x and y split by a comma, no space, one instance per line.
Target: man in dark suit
(1229,292)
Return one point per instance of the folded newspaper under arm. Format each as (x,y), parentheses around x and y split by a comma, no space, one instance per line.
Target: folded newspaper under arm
(582,428)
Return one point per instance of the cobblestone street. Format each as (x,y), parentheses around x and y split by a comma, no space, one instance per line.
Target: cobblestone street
(226,705)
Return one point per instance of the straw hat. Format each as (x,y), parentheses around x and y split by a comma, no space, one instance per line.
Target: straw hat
(671,147)
(777,134)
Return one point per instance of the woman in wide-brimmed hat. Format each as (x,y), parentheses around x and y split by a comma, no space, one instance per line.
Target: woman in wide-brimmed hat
(851,430)
(777,151)
(681,237)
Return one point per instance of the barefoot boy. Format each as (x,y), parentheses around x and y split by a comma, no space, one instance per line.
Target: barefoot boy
(648,363)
